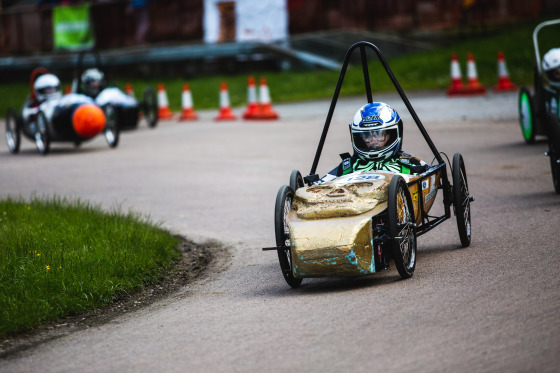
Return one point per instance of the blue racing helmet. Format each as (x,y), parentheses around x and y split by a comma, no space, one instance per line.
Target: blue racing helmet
(376,132)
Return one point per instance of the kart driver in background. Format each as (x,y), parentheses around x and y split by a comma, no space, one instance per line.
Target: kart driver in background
(376,133)
(93,82)
(46,86)
(551,66)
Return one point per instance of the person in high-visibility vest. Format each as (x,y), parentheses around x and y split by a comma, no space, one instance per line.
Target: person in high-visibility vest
(376,133)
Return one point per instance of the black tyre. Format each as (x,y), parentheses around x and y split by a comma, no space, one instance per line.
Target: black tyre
(112,130)
(402,227)
(13,131)
(296,180)
(42,138)
(150,107)
(283,206)
(461,199)
(527,118)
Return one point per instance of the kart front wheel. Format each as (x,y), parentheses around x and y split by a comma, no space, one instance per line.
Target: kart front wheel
(402,227)
(42,137)
(296,180)
(461,199)
(13,131)
(150,107)
(527,115)
(111,130)
(283,206)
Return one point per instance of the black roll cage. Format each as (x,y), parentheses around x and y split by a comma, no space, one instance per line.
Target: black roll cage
(428,222)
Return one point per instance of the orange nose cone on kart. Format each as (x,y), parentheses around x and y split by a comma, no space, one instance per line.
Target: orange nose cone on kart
(88,120)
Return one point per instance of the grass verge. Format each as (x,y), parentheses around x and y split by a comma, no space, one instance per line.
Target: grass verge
(60,258)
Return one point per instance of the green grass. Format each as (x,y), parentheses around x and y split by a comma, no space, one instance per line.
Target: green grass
(428,70)
(60,258)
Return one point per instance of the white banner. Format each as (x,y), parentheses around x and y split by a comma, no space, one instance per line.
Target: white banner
(245,20)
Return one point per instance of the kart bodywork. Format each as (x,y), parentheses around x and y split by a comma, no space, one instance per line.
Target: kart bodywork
(538,112)
(357,223)
(331,226)
(54,120)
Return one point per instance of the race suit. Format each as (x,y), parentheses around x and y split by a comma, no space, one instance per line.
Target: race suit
(402,163)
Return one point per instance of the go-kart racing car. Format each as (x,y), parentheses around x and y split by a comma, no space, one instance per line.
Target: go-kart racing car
(120,108)
(59,118)
(538,112)
(357,223)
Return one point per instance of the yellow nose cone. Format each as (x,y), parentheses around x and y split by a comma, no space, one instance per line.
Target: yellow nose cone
(88,120)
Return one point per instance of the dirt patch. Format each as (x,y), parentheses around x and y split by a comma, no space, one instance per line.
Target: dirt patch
(195,260)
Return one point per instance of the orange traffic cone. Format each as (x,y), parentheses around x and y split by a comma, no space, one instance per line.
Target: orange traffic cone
(67,89)
(266,111)
(456,87)
(225,113)
(504,84)
(163,104)
(252,111)
(128,89)
(187,112)
(474,87)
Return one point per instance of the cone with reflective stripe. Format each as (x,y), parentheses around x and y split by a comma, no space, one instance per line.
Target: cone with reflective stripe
(504,84)
(456,87)
(225,113)
(474,87)
(187,112)
(253,110)
(128,89)
(265,107)
(163,104)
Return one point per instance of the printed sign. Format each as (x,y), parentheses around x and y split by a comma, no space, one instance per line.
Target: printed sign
(71,27)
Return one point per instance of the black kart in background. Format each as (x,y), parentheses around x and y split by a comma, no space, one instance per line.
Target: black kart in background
(538,110)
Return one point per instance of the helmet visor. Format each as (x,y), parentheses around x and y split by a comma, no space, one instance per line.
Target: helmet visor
(374,140)
(553,75)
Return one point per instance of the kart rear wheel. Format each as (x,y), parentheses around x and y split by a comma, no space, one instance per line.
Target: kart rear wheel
(461,199)
(402,228)
(42,137)
(283,206)
(13,131)
(296,180)
(150,107)
(527,115)
(111,130)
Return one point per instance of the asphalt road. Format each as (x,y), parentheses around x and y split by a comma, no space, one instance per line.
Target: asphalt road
(491,307)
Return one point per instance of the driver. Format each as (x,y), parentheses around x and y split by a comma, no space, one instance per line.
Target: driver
(93,82)
(46,86)
(376,133)
(551,66)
